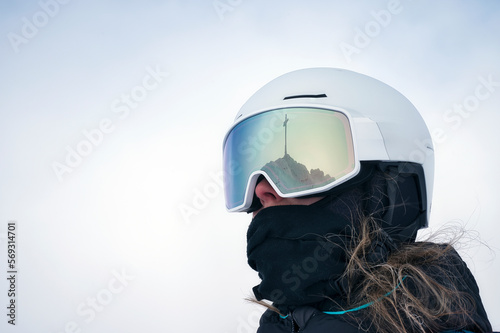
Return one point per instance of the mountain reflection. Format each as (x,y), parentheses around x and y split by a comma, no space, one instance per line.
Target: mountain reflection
(288,171)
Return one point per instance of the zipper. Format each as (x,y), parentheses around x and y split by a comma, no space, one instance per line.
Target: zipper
(295,326)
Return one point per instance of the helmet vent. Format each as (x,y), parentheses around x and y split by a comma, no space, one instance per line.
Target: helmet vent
(305,96)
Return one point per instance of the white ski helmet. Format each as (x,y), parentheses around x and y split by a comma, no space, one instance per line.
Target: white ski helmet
(310,130)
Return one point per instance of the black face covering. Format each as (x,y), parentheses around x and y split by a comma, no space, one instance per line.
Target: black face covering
(299,252)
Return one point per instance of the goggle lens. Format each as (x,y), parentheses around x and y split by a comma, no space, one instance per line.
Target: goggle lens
(301,151)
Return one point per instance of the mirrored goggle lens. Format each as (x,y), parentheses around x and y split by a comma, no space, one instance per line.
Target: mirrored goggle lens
(301,151)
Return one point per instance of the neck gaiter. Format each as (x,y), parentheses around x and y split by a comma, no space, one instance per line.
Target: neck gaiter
(299,253)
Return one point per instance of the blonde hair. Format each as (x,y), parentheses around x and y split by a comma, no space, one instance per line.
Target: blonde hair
(415,290)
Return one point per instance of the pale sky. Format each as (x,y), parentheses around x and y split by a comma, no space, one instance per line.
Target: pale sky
(113,119)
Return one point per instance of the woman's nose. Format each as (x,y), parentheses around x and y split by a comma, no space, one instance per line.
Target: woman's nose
(267,195)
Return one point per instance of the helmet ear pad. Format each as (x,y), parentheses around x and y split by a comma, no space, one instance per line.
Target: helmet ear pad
(394,198)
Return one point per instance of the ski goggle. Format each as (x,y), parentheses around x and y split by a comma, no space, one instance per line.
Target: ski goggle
(301,151)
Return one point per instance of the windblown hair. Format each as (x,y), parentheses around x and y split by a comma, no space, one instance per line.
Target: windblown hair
(415,290)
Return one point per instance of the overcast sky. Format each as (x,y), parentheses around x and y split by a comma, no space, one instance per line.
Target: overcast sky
(113,116)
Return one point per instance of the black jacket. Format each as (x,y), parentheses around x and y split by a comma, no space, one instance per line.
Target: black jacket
(308,319)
